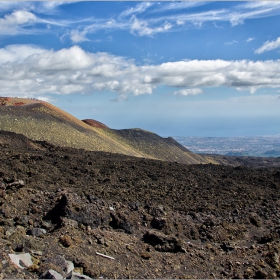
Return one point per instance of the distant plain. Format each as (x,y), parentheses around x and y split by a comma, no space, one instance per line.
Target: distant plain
(257,146)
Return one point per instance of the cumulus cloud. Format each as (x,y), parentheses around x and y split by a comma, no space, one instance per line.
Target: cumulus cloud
(77,36)
(23,22)
(268,46)
(38,71)
(10,24)
(18,53)
(31,71)
(242,74)
(188,91)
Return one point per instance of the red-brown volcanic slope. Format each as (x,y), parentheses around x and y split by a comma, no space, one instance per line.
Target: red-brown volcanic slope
(95,123)
(15,101)
(43,121)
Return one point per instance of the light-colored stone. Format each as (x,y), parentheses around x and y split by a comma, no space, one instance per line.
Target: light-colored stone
(17,183)
(70,266)
(24,259)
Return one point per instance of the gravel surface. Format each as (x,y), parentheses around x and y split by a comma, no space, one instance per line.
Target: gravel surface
(151,219)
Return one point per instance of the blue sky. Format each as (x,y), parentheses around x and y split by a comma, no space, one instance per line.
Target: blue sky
(174,68)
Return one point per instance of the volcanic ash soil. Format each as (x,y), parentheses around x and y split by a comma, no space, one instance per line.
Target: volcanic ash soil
(114,216)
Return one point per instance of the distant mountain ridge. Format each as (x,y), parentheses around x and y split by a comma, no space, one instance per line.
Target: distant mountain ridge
(39,120)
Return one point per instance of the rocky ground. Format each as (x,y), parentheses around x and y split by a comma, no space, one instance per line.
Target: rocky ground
(106,215)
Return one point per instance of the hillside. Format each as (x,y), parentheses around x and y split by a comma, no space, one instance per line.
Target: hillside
(42,121)
(149,143)
(155,219)
(156,146)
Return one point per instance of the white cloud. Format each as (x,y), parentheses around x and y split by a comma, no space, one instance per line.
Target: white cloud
(31,71)
(251,10)
(18,53)
(46,98)
(142,27)
(231,42)
(151,17)
(236,15)
(52,5)
(259,5)
(43,7)
(268,46)
(140,8)
(180,22)
(243,74)
(250,39)
(136,26)
(10,5)
(77,36)
(180,17)
(10,23)
(104,24)
(23,22)
(166,6)
(188,91)
(39,71)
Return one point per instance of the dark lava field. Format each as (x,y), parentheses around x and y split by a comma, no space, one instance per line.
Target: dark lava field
(154,219)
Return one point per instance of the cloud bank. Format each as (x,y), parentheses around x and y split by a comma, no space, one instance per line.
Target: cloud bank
(26,70)
(188,91)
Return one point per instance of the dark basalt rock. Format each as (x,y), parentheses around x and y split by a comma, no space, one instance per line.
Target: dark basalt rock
(162,242)
(225,220)
(158,223)
(120,221)
(75,208)
(58,264)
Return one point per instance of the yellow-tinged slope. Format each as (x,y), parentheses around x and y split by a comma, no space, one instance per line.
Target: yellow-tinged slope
(40,120)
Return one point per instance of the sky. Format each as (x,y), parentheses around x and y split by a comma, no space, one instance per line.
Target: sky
(187,68)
